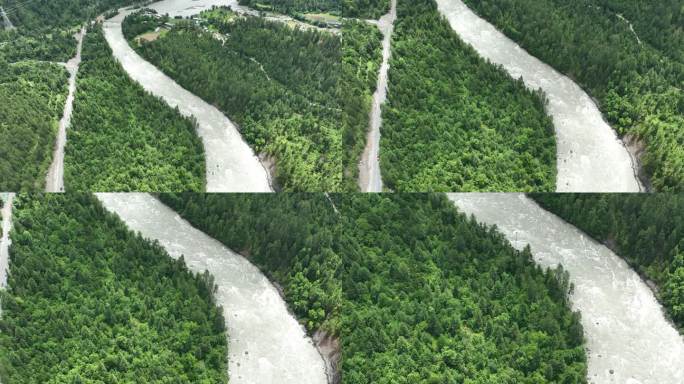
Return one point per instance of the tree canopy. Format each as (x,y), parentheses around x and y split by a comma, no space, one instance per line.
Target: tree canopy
(415,291)
(89,301)
(32,98)
(293,93)
(124,139)
(455,122)
(637,77)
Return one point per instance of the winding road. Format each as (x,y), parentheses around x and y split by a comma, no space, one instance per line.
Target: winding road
(591,158)
(370,177)
(232,165)
(6,216)
(267,345)
(5,20)
(628,338)
(54,181)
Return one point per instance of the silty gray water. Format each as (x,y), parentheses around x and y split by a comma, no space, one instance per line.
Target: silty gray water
(370,176)
(628,338)
(266,343)
(590,156)
(185,8)
(232,165)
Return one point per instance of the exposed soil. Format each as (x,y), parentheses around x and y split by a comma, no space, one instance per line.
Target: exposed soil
(329,348)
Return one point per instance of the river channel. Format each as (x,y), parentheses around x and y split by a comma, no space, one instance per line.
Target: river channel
(267,345)
(590,156)
(232,165)
(629,340)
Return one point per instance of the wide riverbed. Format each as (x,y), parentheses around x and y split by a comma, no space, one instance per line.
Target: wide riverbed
(232,165)
(266,343)
(629,340)
(590,156)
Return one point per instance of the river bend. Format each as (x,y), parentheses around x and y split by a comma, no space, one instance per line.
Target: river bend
(231,165)
(628,338)
(590,156)
(267,345)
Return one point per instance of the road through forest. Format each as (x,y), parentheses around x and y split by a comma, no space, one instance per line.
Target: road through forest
(370,177)
(54,181)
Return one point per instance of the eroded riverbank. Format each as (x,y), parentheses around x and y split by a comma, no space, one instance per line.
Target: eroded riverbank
(54,181)
(267,344)
(629,339)
(590,156)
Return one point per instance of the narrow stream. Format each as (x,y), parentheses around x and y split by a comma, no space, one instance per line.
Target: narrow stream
(591,158)
(628,338)
(232,166)
(370,177)
(631,27)
(266,343)
(54,181)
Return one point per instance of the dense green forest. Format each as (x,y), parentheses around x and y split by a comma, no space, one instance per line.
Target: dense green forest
(58,46)
(454,122)
(45,28)
(32,97)
(660,23)
(638,84)
(32,86)
(46,14)
(88,301)
(361,59)
(283,87)
(124,139)
(415,291)
(646,230)
(370,9)
(145,20)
